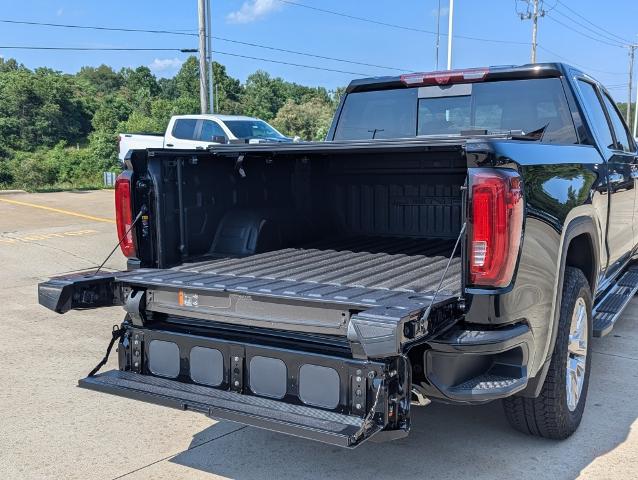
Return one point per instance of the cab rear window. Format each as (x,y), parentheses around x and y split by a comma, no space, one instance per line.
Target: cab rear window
(519,106)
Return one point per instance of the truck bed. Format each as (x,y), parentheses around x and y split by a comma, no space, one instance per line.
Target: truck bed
(404,264)
(313,288)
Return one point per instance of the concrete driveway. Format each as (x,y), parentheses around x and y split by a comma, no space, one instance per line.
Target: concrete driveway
(49,428)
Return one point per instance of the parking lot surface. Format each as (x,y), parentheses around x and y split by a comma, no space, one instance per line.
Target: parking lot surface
(49,428)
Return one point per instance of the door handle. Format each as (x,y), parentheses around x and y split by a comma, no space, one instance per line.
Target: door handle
(169,144)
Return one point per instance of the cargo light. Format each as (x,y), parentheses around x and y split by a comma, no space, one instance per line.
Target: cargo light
(445,77)
(124,213)
(496,222)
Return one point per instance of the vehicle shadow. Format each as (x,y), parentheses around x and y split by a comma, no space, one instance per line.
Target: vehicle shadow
(445,442)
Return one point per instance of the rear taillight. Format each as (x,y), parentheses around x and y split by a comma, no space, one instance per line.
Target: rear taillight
(444,77)
(124,213)
(495,226)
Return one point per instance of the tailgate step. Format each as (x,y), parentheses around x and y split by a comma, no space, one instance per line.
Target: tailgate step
(607,312)
(315,424)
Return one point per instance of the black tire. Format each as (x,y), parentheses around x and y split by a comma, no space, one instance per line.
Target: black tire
(548,415)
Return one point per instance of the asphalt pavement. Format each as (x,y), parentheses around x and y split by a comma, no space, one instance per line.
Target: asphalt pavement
(49,428)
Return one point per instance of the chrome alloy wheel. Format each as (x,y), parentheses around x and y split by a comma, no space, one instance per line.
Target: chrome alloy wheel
(576,354)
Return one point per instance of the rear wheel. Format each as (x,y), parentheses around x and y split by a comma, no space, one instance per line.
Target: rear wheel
(558,410)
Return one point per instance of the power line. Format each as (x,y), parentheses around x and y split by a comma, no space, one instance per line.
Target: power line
(589,29)
(93,27)
(619,45)
(585,67)
(310,54)
(397,26)
(289,63)
(219,52)
(174,32)
(105,49)
(588,21)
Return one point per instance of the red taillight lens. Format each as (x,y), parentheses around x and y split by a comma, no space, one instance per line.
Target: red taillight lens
(496,222)
(444,77)
(124,213)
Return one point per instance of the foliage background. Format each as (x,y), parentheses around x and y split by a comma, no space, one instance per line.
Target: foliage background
(61,130)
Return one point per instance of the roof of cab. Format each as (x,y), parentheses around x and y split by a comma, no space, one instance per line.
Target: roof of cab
(529,70)
(211,116)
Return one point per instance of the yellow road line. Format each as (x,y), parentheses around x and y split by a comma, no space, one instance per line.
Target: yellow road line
(58,210)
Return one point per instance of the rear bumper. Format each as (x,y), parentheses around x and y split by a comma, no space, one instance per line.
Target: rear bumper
(477,366)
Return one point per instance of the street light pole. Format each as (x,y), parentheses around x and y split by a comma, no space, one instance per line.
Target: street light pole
(438,33)
(449,35)
(632,50)
(201,11)
(209,50)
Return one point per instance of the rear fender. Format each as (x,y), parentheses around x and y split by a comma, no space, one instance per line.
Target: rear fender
(577,226)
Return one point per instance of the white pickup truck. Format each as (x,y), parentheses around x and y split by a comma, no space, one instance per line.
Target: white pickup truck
(199,131)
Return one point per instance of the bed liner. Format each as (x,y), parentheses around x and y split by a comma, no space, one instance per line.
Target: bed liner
(384,263)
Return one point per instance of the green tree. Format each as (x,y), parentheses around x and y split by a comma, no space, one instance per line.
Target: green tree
(263,95)
(40,108)
(102,80)
(138,79)
(10,65)
(113,110)
(228,91)
(309,120)
(187,79)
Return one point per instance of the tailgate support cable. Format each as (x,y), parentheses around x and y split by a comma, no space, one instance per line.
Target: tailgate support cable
(143,210)
(116,334)
(426,314)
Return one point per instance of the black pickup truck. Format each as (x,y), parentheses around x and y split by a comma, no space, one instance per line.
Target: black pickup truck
(460,237)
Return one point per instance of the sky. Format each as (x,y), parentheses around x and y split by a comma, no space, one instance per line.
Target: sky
(289,25)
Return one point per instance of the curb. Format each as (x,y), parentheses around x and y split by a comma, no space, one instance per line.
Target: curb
(11,192)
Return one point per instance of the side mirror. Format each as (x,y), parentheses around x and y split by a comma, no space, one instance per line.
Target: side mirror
(219,139)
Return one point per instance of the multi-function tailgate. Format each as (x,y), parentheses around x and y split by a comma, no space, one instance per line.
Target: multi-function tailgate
(379,320)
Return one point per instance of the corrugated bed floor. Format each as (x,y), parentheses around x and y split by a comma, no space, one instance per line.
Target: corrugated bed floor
(384,263)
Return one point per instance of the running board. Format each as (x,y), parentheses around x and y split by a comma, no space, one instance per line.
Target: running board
(607,312)
(306,422)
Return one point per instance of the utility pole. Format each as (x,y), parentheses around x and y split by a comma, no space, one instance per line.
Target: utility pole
(201,11)
(635,132)
(449,35)
(632,49)
(537,11)
(438,34)
(209,50)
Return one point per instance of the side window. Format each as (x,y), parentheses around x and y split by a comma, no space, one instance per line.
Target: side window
(622,138)
(210,129)
(596,113)
(184,128)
